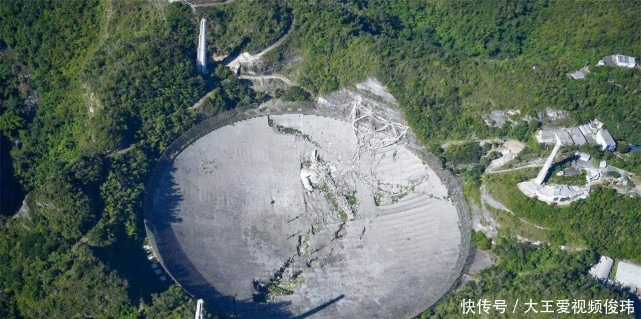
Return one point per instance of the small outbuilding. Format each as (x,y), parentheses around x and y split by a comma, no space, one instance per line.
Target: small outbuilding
(618,60)
(606,141)
(624,61)
(579,74)
(583,156)
(601,270)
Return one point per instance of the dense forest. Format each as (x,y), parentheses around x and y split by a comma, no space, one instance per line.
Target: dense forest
(450,62)
(92,92)
(262,23)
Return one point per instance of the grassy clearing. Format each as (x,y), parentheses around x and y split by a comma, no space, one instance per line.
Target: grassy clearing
(605,221)
(512,226)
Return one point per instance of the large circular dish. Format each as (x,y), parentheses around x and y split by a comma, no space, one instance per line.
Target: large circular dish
(295,215)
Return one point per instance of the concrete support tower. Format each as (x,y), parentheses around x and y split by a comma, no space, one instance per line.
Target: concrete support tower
(544,171)
(199,309)
(201,60)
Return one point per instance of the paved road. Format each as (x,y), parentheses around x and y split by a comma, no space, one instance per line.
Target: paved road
(287,81)
(249,58)
(515,168)
(209,4)
(268,77)
(486,198)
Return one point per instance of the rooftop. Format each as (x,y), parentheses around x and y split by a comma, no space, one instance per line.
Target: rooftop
(554,193)
(618,60)
(601,270)
(605,135)
(579,74)
(629,275)
(591,133)
(623,58)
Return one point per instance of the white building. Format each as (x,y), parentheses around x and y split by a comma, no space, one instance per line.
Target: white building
(618,60)
(580,74)
(624,61)
(606,141)
(545,136)
(554,193)
(629,275)
(583,156)
(601,270)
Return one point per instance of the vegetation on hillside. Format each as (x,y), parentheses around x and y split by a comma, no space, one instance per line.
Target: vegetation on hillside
(605,221)
(531,274)
(245,26)
(450,62)
(92,92)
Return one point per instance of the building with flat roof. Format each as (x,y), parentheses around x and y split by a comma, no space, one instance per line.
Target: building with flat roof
(550,136)
(629,275)
(591,133)
(545,136)
(624,61)
(606,141)
(576,135)
(583,156)
(579,74)
(618,60)
(601,270)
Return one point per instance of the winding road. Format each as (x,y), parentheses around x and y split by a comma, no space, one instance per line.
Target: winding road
(268,77)
(246,57)
(487,199)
